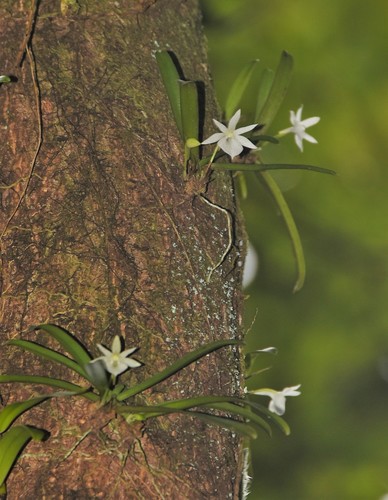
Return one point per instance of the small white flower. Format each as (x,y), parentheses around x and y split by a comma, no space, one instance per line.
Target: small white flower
(230,139)
(278,398)
(299,126)
(115,361)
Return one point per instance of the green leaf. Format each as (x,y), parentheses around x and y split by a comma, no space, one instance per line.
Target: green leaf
(12,443)
(281,203)
(145,412)
(242,428)
(242,185)
(52,382)
(189,115)
(262,167)
(279,421)
(47,353)
(278,91)
(176,405)
(5,79)
(189,109)
(245,413)
(230,404)
(12,411)
(170,77)
(175,367)
(263,92)
(238,88)
(68,343)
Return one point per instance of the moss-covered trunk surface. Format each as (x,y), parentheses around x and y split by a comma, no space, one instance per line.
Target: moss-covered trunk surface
(101,235)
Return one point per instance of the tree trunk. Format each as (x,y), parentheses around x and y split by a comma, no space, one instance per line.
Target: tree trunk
(102,235)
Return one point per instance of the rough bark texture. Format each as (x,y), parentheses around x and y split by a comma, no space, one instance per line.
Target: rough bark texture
(101,235)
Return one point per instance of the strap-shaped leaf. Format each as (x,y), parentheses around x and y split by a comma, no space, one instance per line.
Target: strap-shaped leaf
(68,343)
(189,109)
(262,167)
(243,428)
(12,411)
(170,77)
(281,203)
(145,412)
(245,413)
(52,382)
(190,114)
(175,367)
(278,91)
(47,353)
(12,443)
(238,88)
(263,92)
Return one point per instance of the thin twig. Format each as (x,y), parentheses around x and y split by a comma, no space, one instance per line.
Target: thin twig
(32,62)
(28,34)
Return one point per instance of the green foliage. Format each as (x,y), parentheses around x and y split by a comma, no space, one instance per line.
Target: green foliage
(171,77)
(12,443)
(5,79)
(238,88)
(104,390)
(269,98)
(111,392)
(276,92)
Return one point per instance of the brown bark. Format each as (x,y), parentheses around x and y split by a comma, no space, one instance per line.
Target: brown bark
(101,235)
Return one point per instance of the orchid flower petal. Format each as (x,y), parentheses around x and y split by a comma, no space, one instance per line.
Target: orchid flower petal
(299,128)
(231,140)
(115,360)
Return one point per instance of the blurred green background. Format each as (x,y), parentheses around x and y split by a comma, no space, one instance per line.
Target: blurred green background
(333,335)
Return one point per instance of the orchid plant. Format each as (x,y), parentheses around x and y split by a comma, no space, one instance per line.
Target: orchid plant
(100,385)
(245,142)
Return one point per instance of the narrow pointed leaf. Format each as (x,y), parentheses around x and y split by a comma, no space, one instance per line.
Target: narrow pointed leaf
(238,88)
(245,413)
(280,201)
(242,185)
(263,92)
(189,109)
(52,382)
(189,114)
(68,343)
(278,91)
(184,404)
(143,413)
(12,411)
(242,428)
(12,443)
(175,367)
(262,167)
(170,77)
(47,353)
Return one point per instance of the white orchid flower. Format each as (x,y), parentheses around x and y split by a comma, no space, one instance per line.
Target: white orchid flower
(299,128)
(115,361)
(278,398)
(230,139)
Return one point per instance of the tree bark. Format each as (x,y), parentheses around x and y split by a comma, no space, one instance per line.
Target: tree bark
(102,235)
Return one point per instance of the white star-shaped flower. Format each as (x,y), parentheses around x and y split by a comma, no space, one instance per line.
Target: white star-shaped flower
(299,128)
(278,398)
(230,139)
(115,361)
